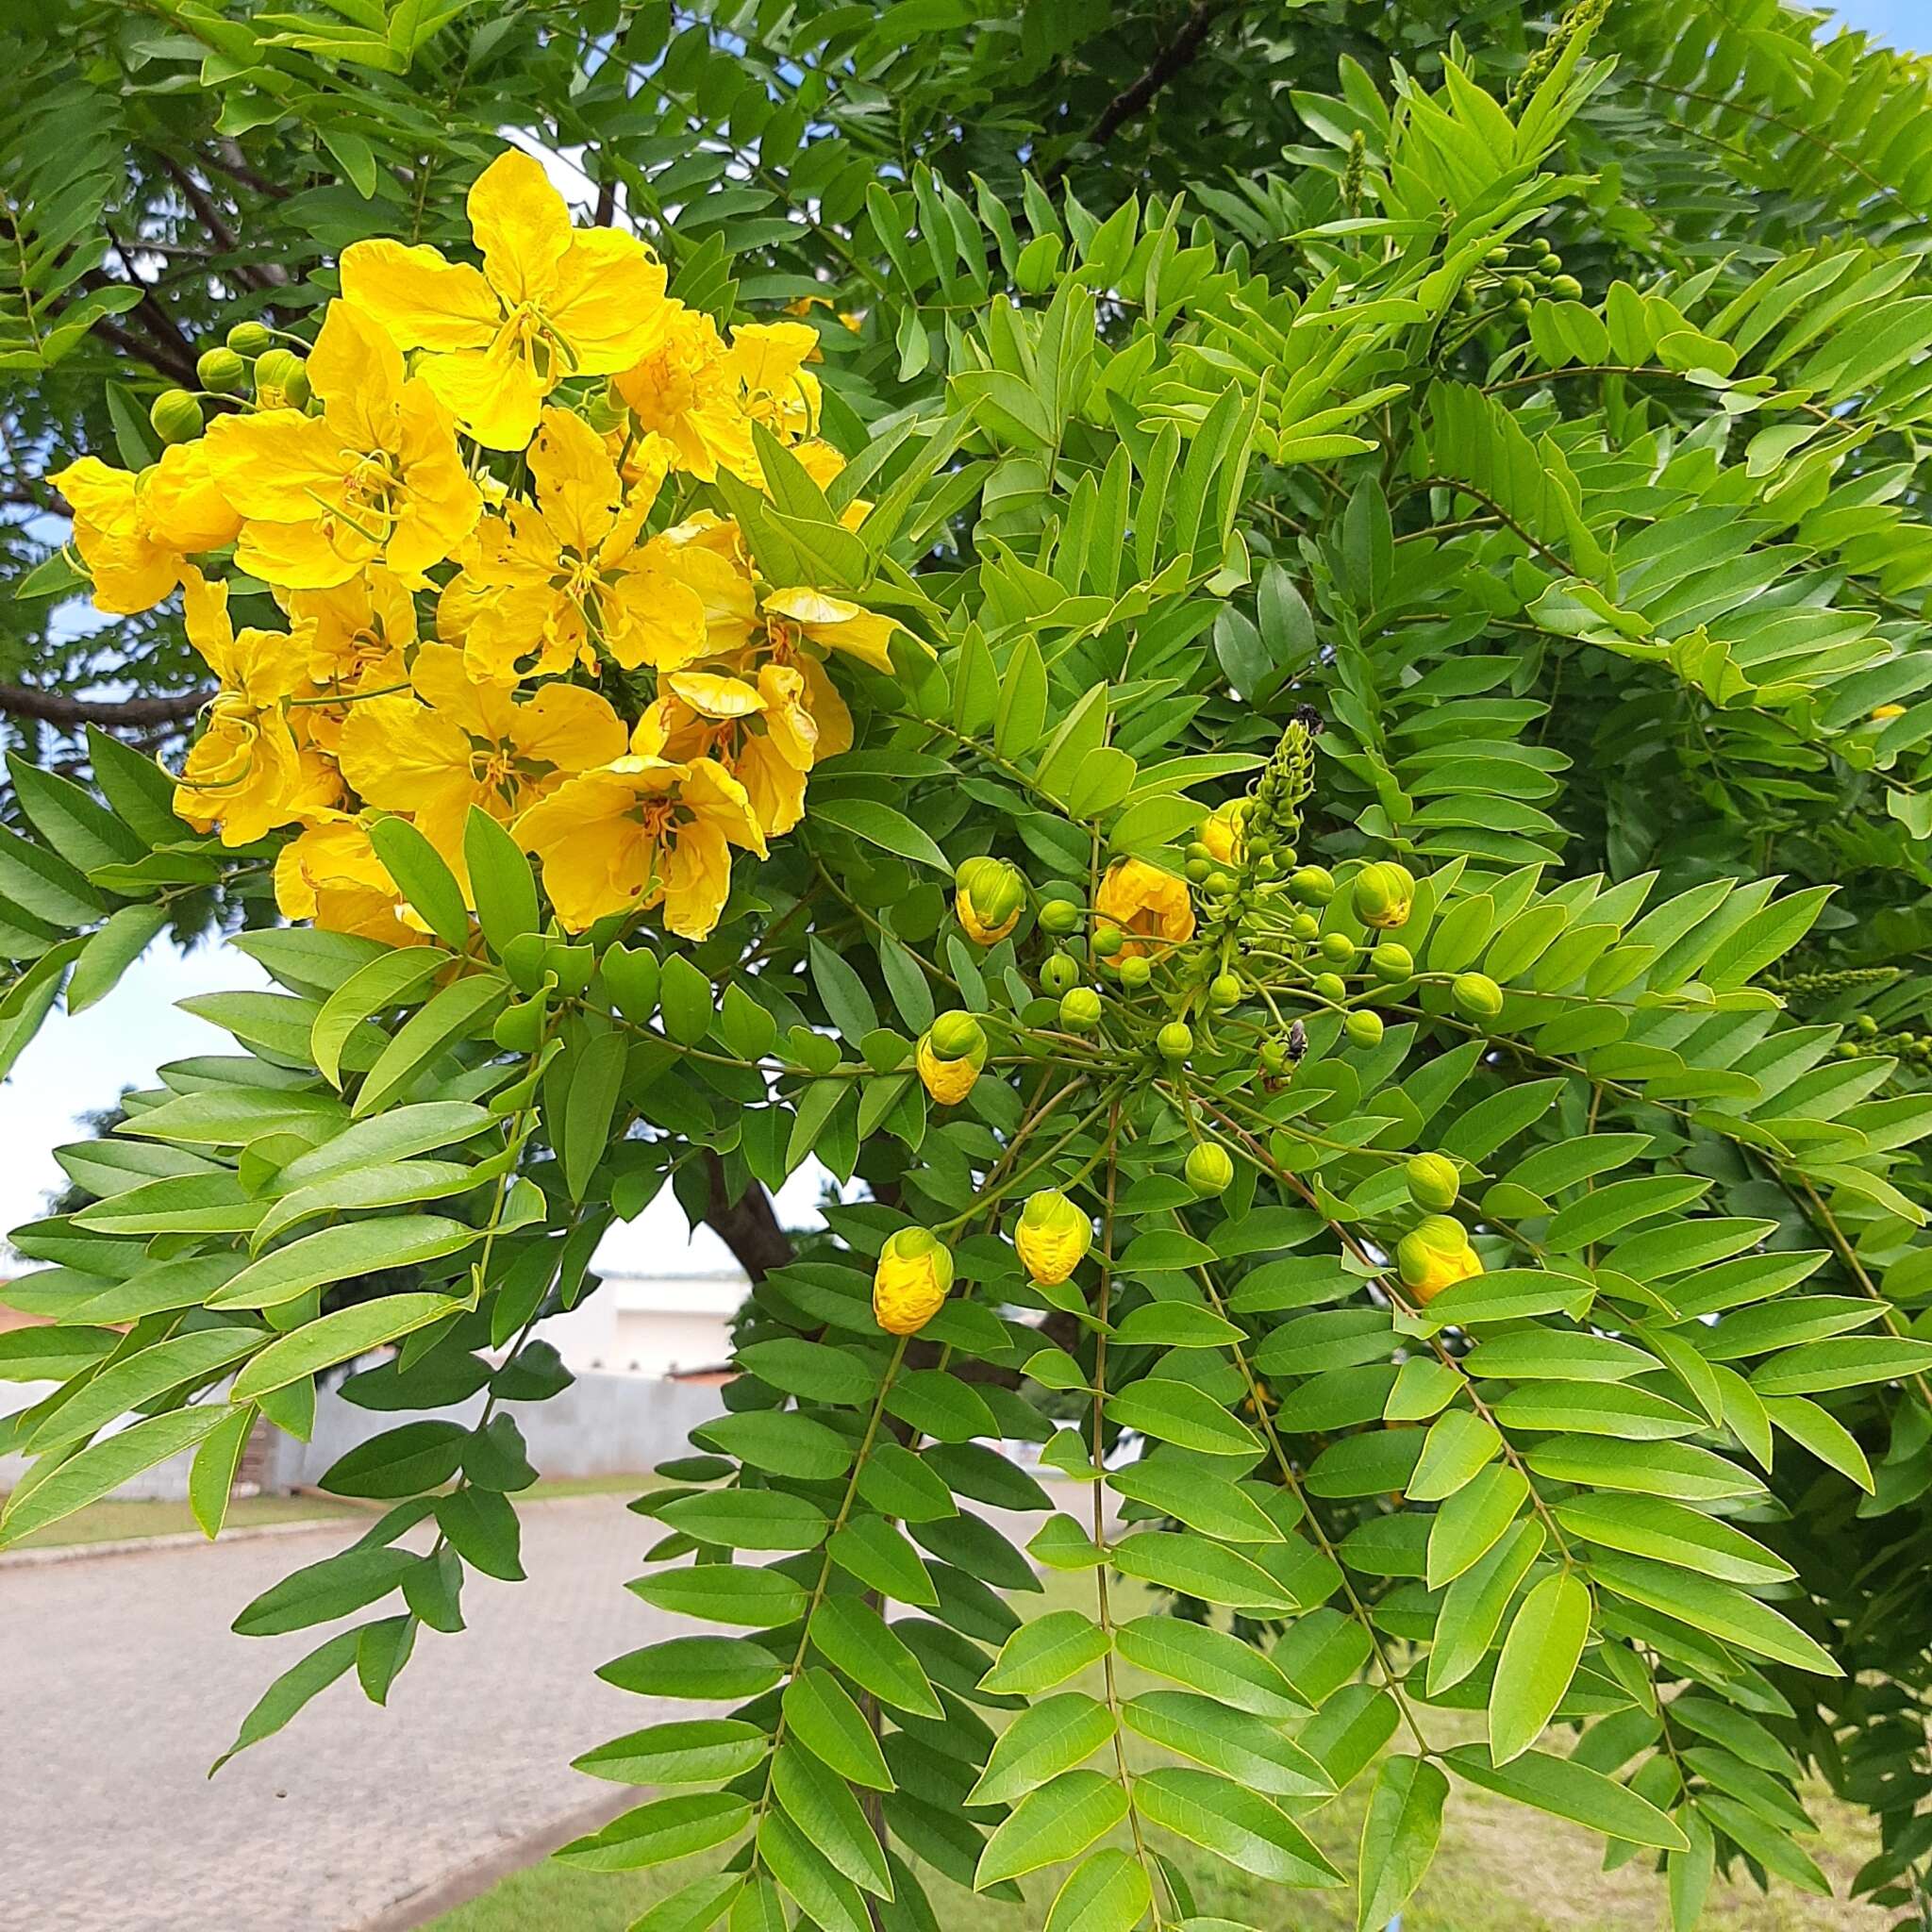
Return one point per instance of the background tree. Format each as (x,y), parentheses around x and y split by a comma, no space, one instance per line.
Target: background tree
(1556,385)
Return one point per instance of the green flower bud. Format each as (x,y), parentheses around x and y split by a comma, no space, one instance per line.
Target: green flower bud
(1208,1169)
(1197,870)
(251,339)
(1330,987)
(1060,916)
(1434,1181)
(1080,1010)
(1108,941)
(1060,972)
(1566,286)
(1135,971)
(1337,949)
(1363,1027)
(221,371)
(1383,895)
(1391,963)
(1312,884)
(1476,995)
(176,416)
(606,410)
(280,380)
(1305,927)
(1199,848)
(957,1035)
(1224,991)
(1176,1040)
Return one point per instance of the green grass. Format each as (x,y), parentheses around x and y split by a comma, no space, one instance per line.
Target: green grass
(1501,1868)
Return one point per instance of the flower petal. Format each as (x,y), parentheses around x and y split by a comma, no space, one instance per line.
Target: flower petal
(521,223)
(422,300)
(608,301)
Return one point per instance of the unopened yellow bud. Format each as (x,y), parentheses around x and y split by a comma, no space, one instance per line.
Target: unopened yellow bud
(1052,1236)
(1435,1255)
(915,1269)
(949,1057)
(1434,1180)
(989,895)
(1884,714)
(1383,895)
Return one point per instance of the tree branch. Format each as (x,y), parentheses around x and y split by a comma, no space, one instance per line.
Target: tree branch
(257,275)
(56,707)
(748,1227)
(1178,55)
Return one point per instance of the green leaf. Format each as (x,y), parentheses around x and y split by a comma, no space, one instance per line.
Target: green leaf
(1538,1658)
(111,951)
(1233,1823)
(684,995)
(1051,1735)
(1179,1414)
(1045,1652)
(183,1361)
(1246,1748)
(102,1466)
(823,1717)
(460,1010)
(1056,1822)
(1474,1521)
(1206,1660)
(338,1338)
(500,881)
(1455,1450)
(594,1074)
(1566,1788)
(293,1689)
(821,1806)
(318,1593)
(1673,1533)
(423,878)
(1720,1609)
(852,1637)
(1107,1893)
(349,1249)
(656,1833)
(754,1599)
(748,1519)
(1400,1833)
(882,825)
(846,1000)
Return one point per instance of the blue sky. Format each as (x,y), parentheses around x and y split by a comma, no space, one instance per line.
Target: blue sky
(76,1066)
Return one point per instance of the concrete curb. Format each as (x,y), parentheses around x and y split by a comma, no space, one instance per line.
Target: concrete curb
(439,1895)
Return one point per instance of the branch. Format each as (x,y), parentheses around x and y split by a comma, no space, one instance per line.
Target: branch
(55,708)
(1179,54)
(257,275)
(747,1226)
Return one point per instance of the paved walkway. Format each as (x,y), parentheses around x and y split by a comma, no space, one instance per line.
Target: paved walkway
(121,1682)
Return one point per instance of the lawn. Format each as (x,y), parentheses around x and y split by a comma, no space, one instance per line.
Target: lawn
(1501,1868)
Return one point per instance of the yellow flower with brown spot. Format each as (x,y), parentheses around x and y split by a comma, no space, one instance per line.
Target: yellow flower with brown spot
(1435,1255)
(638,832)
(550,302)
(1151,908)
(243,772)
(136,533)
(375,478)
(911,1280)
(454,742)
(558,581)
(1052,1236)
(761,733)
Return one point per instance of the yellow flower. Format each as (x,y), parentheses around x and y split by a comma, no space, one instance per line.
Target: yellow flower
(243,772)
(357,636)
(1884,714)
(550,302)
(569,573)
(1149,906)
(456,743)
(910,1285)
(1434,1255)
(678,389)
(762,734)
(375,478)
(330,874)
(1052,1236)
(989,895)
(1224,832)
(802,627)
(643,831)
(136,533)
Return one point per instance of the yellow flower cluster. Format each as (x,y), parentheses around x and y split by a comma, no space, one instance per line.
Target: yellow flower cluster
(471,530)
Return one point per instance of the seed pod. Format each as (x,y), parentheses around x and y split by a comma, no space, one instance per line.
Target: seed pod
(910,1285)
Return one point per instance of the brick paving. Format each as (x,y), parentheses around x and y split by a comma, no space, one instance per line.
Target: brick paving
(121,1682)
